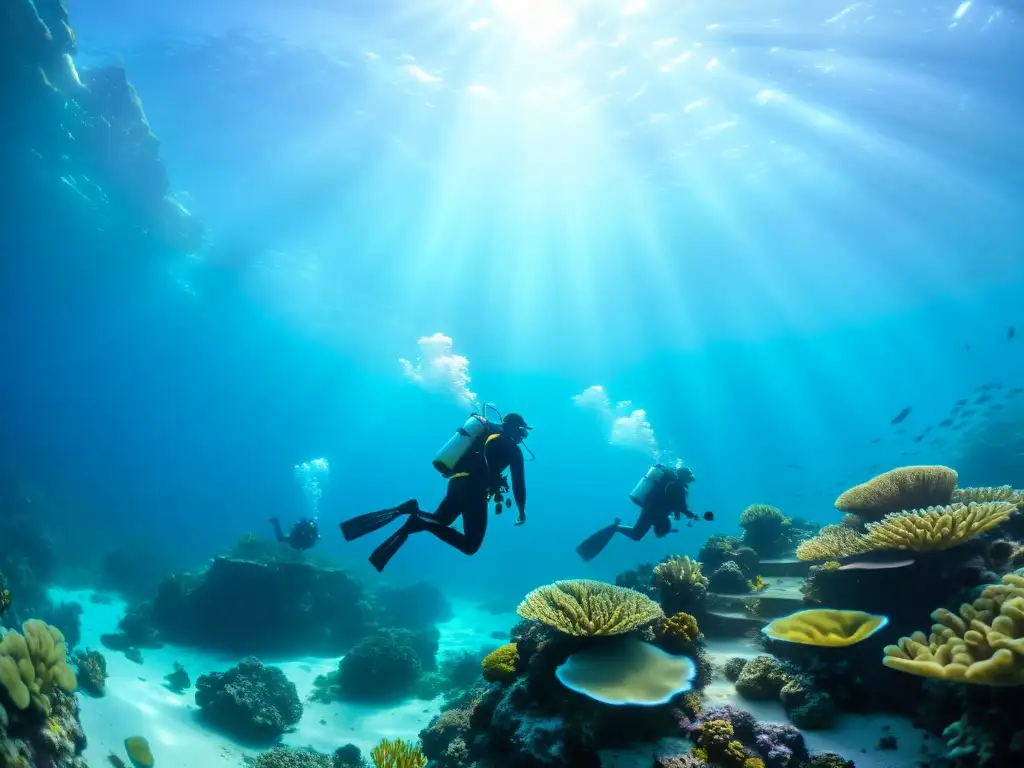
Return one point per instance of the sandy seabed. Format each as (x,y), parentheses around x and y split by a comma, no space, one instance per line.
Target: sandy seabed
(137,703)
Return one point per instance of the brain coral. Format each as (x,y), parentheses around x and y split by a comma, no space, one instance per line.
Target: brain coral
(585,608)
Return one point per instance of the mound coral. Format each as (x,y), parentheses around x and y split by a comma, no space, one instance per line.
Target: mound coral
(250,701)
(386,666)
(902,488)
(832,541)
(733,668)
(397,754)
(983,645)
(92,672)
(627,671)
(825,627)
(937,528)
(34,665)
(679,631)
(729,579)
(585,608)
(716,739)
(762,678)
(764,529)
(500,665)
(997,493)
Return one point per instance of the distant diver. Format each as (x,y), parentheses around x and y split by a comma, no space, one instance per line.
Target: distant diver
(474,461)
(660,493)
(303,535)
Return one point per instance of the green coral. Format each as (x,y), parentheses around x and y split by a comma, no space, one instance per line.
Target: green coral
(679,632)
(92,672)
(762,678)
(717,739)
(33,665)
(500,665)
(397,754)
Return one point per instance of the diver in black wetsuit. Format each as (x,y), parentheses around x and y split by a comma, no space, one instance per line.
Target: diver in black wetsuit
(666,497)
(477,479)
(303,535)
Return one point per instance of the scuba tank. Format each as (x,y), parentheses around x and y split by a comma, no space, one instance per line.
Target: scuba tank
(651,480)
(460,443)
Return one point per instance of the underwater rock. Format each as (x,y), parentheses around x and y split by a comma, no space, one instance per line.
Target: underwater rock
(385,666)
(250,607)
(419,606)
(178,680)
(249,701)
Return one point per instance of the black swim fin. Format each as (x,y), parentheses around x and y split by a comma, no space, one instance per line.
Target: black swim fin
(382,555)
(594,545)
(373,521)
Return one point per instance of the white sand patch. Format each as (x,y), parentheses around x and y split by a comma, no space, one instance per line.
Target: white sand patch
(138,704)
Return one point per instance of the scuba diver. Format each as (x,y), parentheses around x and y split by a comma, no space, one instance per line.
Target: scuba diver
(661,492)
(303,535)
(474,461)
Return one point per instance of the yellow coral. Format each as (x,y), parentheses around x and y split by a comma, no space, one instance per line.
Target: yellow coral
(757,585)
(937,528)
(983,645)
(899,489)
(585,608)
(762,515)
(825,627)
(753,762)
(33,665)
(692,703)
(680,571)
(831,542)
(831,565)
(681,629)
(997,493)
(397,754)
(500,665)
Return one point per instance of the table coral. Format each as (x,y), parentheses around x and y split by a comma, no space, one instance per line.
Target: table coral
(825,627)
(936,528)
(902,488)
(585,608)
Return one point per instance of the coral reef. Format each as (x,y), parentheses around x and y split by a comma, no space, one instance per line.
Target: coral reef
(936,528)
(762,678)
(397,754)
(34,665)
(500,665)
(249,701)
(717,549)
(385,666)
(248,607)
(680,584)
(305,757)
(729,579)
(585,608)
(678,633)
(899,489)
(983,495)
(983,645)
(92,672)
(765,530)
(832,541)
(733,667)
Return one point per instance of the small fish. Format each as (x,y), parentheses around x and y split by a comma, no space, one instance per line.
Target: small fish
(1015,391)
(982,399)
(871,566)
(901,431)
(958,426)
(793,466)
(967,347)
(1010,332)
(116,761)
(996,407)
(877,440)
(900,416)
(967,414)
(961,403)
(945,422)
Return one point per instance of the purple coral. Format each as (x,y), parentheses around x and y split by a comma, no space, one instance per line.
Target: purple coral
(744,724)
(780,745)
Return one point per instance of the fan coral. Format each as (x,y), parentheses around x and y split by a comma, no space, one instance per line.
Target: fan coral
(679,572)
(585,608)
(397,754)
(34,665)
(898,489)
(764,529)
(832,541)
(729,579)
(998,493)
(762,678)
(679,631)
(825,627)
(500,665)
(937,528)
(983,645)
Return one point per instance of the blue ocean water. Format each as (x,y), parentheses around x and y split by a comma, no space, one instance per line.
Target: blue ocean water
(768,228)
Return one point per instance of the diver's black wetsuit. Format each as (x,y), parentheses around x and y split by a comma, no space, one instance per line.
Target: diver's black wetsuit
(667,499)
(477,478)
